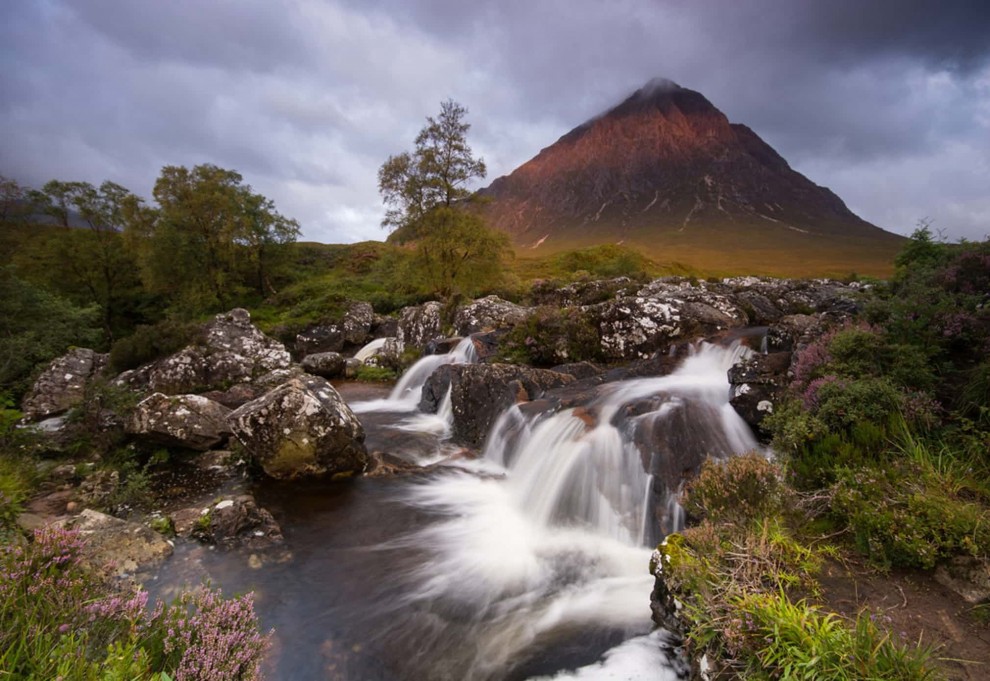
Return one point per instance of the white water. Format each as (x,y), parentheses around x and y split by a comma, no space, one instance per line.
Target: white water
(407,392)
(543,536)
(370,350)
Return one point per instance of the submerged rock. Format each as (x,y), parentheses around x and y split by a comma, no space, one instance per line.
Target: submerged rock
(119,546)
(302,428)
(236,521)
(62,385)
(190,421)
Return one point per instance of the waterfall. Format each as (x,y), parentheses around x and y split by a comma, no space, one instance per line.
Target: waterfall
(370,350)
(406,394)
(545,533)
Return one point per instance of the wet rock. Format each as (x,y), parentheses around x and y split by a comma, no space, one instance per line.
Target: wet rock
(301,428)
(435,389)
(325,364)
(237,521)
(420,324)
(62,385)
(487,314)
(579,370)
(124,548)
(757,384)
(480,392)
(189,421)
(968,576)
(441,346)
(232,351)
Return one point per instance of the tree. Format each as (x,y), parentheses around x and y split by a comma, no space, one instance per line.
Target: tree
(208,237)
(425,195)
(12,200)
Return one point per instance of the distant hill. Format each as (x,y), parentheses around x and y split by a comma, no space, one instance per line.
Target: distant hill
(666,172)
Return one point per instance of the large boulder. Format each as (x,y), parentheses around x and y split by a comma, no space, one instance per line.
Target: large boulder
(352,329)
(62,385)
(488,314)
(480,392)
(232,351)
(758,383)
(301,428)
(126,548)
(420,324)
(190,421)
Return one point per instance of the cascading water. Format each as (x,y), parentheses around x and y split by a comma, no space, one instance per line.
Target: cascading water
(543,536)
(370,350)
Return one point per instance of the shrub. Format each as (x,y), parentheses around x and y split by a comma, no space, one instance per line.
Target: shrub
(375,374)
(738,489)
(149,343)
(57,620)
(551,336)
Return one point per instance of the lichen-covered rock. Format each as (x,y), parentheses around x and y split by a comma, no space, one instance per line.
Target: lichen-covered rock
(237,521)
(635,328)
(353,328)
(487,314)
(480,392)
(190,421)
(793,331)
(62,385)
(757,384)
(420,324)
(325,364)
(301,428)
(123,547)
(232,351)
(580,292)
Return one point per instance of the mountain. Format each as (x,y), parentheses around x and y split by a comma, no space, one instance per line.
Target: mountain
(666,171)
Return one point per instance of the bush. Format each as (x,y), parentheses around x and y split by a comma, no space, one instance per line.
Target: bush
(739,489)
(149,343)
(57,620)
(551,336)
(375,374)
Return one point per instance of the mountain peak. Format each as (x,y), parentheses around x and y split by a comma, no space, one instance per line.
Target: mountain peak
(657,86)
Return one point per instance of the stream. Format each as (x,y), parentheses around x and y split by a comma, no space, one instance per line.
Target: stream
(527,562)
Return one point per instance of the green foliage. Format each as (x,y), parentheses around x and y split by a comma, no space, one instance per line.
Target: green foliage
(801,642)
(151,342)
(549,336)
(606,260)
(210,241)
(18,476)
(375,374)
(35,327)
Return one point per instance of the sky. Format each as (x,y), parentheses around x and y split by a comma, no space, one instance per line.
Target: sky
(886,102)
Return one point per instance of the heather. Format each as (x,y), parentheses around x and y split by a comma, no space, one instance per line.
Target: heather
(59,620)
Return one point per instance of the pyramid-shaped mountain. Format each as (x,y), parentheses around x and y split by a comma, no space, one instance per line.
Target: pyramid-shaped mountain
(667,171)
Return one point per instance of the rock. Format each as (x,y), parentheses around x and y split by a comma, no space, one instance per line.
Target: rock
(488,314)
(635,328)
(62,385)
(123,547)
(420,324)
(352,367)
(442,346)
(189,421)
(325,364)
(760,309)
(757,385)
(581,292)
(301,428)
(98,488)
(384,327)
(235,395)
(968,576)
(793,331)
(480,392)
(237,522)
(233,351)
(353,328)
(579,370)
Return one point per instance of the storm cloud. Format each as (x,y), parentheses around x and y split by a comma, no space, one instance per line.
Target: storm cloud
(887,102)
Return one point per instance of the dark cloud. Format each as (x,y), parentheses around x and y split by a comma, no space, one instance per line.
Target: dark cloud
(307,98)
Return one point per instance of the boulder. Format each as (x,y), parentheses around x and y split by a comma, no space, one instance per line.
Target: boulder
(580,292)
(793,331)
(325,364)
(236,521)
(968,576)
(488,314)
(190,421)
(123,547)
(420,324)
(232,351)
(758,383)
(301,428)
(480,392)
(636,328)
(353,328)
(62,385)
